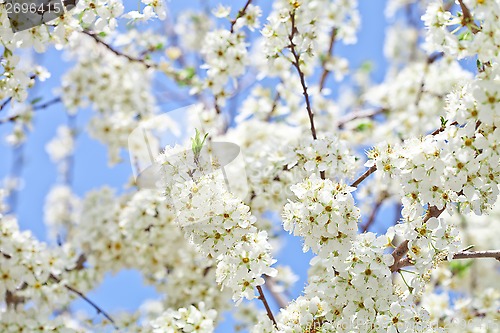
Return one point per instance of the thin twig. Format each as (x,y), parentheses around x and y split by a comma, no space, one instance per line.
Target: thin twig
(266,305)
(116,52)
(35,107)
(4,104)
(374,212)
(365,175)
(358,115)
(296,64)
(402,249)
(241,13)
(461,255)
(477,254)
(47,104)
(89,301)
(324,74)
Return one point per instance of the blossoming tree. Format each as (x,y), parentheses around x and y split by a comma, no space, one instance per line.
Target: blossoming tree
(260,75)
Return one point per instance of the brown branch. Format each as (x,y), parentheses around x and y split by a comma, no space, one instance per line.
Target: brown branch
(35,107)
(4,104)
(116,52)
(365,175)
(266,305)
(241,13)
(402,249)
(430,60)
(373,168)
(461,255)
(296,64)
(477,254)
(374,212)
(467,17)
(358,115)
(89,301)
(439,130)
(324,74)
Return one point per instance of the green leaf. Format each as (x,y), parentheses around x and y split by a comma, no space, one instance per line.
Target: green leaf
(197,143)
(363,127)
(366,66)
(443,122)
(460,267)
(186,75)
(7,53)
(466,35)
(36,100)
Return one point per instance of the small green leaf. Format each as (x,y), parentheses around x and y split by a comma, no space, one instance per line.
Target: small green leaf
(197,143)
(443,122)
(466,35)
(7,53)
(36,100)
(366,66)
(363,127)
(460,267)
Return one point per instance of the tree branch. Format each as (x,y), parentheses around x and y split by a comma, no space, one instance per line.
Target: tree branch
(116,52)
(365,175)
(4,104)
(461,255)
(402,249)
(35,107)
(296,64)
(86,299)
(324,74)
(357,115)
(266,305)
(241,13)
(374,212)
(467,18)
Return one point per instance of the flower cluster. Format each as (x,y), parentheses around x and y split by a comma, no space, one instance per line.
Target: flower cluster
(430,241)
(412,99)
(61,211)
(197,319)
(329,155)
(30,271)
(222,226)
(107,81)
(454,166)
(325,216)
(471,31)
(225,57)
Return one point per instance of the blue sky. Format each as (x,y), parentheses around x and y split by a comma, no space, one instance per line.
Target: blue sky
(91,169)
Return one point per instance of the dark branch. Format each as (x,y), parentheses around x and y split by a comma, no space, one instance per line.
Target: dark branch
(116,52)
(461,255)
(402,249)
(266,305)
(86,299)
(241,13)
(324,74)
(35,107)
(365,175)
